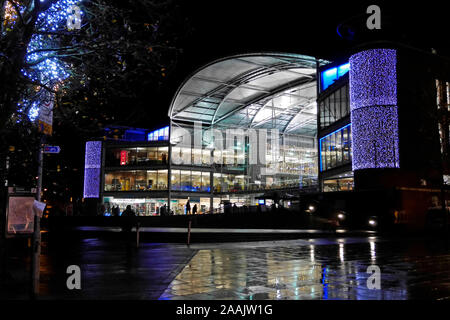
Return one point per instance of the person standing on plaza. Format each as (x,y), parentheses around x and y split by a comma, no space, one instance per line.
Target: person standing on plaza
(194,209)
(129,220)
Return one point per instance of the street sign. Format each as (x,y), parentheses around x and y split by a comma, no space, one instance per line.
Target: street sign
(52,149)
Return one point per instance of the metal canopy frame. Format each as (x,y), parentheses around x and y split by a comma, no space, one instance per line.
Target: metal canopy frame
(235,91)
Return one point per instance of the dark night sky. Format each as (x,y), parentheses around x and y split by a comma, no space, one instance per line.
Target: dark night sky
(221,28)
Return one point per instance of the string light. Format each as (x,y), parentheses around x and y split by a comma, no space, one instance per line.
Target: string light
(374,111)
(92,165)
(51,70)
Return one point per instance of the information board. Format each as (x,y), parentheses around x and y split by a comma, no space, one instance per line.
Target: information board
(20,215)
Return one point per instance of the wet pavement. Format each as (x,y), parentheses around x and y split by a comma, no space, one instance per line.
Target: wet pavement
(315,269)
(320,268)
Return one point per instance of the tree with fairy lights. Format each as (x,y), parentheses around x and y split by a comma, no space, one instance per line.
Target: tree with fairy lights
(115,53)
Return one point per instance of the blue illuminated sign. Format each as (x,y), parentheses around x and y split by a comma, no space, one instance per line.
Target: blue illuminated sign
(329,76)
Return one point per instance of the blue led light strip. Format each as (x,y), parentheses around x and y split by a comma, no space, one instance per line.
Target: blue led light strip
(92,165)
(374,111)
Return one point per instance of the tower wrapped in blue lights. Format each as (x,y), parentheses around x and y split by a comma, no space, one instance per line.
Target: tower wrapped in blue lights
(92,167)
(374,109)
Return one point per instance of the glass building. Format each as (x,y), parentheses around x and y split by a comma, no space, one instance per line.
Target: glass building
(248,126)
(240,127)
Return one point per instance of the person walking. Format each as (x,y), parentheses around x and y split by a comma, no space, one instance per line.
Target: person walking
(128,221)
(115,211)
(194,209)
(188,207)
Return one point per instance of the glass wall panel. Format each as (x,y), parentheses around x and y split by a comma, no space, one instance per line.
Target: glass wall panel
(333,116)
(162,179)
(196,156)
(341,184)
(196,180)
(334,107)
(337,104)
(142,156)
(346,144)
(176,180)
(336,148)
(142,206)
(339,146)
(152,156)
(206,157)
(186,180)
(205,182)
(333,149)
(152,180)
(139,180)
(163,153)
(217,182)
(120,181)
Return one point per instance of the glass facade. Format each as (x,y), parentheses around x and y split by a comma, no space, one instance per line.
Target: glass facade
(338,184)
(261,144)
(136,180)
(335,148)
(142,206)
(139,156)
(334,107)
(190,180)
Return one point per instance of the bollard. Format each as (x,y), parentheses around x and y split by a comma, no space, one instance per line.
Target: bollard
(35,258)
(189,232)
(137,236)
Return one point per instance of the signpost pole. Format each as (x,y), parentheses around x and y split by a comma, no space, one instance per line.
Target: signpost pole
(36,254)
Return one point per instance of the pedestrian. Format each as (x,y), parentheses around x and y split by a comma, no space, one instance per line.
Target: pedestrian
(129,216)
(102,210)
(194,209)
(188,207)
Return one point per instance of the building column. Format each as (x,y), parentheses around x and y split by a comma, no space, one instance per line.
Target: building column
(169,171)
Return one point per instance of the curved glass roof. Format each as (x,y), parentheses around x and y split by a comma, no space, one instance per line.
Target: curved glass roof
(259,90)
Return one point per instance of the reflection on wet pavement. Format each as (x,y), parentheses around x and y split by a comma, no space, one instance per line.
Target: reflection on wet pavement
(315,269)
(111,269)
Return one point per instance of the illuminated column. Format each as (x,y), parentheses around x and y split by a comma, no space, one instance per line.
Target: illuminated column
(92,167)
(374,110)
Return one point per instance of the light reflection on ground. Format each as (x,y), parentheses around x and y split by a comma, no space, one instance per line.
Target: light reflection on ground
(316,269)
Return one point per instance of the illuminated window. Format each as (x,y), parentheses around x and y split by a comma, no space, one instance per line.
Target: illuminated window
(335,148)
(329,76)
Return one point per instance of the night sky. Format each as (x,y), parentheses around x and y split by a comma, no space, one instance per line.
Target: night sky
(220,28)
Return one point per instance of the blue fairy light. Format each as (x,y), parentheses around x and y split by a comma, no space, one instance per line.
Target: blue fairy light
(51,70)
(92,167)
(374,111)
